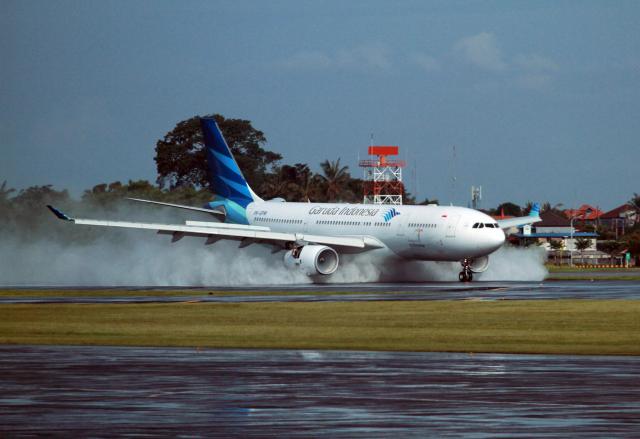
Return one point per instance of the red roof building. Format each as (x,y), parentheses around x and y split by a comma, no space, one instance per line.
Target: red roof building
(584,213)
(621,217)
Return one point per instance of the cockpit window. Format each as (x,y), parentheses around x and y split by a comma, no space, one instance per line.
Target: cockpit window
(475,226)
(481,226)
(489,225)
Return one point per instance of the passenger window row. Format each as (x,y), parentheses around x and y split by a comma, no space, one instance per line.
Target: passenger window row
(423,225)
(488,225)
(278,220)
(342,223)
(351,223)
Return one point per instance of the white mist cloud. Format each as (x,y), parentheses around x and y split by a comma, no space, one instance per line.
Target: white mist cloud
(516,264)
(481,50)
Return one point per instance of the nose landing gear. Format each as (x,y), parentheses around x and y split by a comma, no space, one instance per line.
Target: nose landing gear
(466,275)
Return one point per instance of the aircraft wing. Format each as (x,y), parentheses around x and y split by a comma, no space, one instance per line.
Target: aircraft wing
(247,235)
(533,217)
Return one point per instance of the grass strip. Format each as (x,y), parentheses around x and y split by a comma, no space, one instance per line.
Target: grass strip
(608,327)
(586,277)
(566,268)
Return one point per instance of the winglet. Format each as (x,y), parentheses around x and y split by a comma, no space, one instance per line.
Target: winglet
(535,210)
(59,214)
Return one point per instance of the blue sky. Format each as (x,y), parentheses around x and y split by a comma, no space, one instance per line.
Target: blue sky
(541,99)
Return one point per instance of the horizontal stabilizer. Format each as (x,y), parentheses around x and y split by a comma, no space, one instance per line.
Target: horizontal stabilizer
(533,217)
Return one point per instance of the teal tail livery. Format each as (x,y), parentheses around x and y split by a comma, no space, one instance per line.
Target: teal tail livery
(314,236)
(535,210)
(533,217)
(227,182)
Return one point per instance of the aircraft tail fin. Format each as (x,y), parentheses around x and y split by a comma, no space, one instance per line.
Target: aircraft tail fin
(535,210)
(225,176)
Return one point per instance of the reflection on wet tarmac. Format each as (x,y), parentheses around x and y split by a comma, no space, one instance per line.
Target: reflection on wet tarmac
(104,391)
(367,292)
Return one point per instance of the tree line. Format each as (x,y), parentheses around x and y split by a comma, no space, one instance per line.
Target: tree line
(181,162)
(182,178)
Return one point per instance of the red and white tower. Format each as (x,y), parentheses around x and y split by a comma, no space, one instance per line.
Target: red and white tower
(383,176)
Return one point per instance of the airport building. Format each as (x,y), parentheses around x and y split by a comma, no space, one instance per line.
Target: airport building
(561,239)
(620,219)
(585,214)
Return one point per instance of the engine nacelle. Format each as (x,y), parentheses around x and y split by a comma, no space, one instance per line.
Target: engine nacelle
(478,265)
(313,259)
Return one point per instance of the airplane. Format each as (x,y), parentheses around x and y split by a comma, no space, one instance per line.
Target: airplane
(314,235)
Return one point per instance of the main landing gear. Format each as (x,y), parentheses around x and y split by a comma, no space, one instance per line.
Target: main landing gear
(466,275)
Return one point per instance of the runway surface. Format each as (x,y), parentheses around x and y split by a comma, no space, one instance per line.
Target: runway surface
(602,289)
(104,391)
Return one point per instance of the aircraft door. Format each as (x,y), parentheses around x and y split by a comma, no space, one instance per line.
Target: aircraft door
(452,225)
(401,224)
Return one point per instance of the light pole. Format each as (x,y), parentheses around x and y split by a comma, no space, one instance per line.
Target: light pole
(583,214)
(571,240)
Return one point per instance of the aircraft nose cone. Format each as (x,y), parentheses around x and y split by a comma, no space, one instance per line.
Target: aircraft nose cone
(493,241)
(497,239)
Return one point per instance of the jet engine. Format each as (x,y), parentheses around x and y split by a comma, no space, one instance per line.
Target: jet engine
(478,265)
(313,259)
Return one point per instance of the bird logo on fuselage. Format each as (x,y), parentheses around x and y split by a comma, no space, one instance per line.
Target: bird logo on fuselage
(390,214)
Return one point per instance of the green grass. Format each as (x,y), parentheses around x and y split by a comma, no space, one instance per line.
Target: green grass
(543,327)
(565,268)
(585,277)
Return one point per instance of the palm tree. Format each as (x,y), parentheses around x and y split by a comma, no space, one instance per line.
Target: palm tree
(4,194)
(274,185)
(582,244)
(557,245)
(335,178)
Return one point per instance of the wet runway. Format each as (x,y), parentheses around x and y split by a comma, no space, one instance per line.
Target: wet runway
(582,289)
(103,391)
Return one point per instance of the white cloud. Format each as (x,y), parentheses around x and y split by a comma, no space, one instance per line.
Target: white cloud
(536,63)
(482,51)
(426,62)
(362,57)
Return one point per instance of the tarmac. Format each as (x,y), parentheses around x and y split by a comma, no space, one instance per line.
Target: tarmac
(580,289)
(91,391)
(106,391)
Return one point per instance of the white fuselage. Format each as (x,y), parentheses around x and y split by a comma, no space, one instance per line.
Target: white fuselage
(434,233)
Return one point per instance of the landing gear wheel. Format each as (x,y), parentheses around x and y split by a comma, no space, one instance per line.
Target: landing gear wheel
(466,275)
